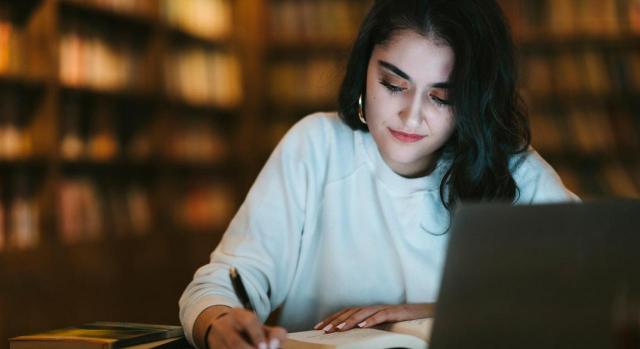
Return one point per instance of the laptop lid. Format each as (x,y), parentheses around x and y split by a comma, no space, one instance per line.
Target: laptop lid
(543,276)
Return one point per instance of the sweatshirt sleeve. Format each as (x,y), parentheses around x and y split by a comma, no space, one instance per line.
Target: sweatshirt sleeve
(263,239)
(538,182)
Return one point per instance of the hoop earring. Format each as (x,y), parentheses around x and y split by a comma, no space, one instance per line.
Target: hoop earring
(361,111)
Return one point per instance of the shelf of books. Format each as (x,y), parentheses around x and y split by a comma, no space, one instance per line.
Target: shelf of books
(123,98)
(580,69)
(117,161)
(308,43)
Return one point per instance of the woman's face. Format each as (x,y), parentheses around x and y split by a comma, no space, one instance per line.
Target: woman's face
(406,106)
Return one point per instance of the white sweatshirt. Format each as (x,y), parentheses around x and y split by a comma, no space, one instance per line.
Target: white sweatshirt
(327,225)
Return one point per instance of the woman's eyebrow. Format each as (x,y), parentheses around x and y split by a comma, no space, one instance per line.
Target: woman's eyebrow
(397,71)
(442,85)
(392,68)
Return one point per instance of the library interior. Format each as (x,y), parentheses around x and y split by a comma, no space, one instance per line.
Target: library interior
(131,130)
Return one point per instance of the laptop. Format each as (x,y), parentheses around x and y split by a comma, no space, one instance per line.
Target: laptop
(543,276)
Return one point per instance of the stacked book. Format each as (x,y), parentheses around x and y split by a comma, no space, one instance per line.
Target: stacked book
(105,335)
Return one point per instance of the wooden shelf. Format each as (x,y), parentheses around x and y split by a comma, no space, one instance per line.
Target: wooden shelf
(29,90)
(205,232)
(182,36)
(107,165)
(154,164)
(21,9)
(129,95)
(619,100)
(40,256)
(550,42)
(141,96)
(24,164)
(16,80)
(222,169)
(626,156)
(91,9)
(28,161)
(186,105)
(302,107)
(305,49)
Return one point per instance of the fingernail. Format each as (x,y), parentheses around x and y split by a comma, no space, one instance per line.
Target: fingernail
(327,328)
(341,325)
(274,344)
(317,325)
(362,324)
(262,345)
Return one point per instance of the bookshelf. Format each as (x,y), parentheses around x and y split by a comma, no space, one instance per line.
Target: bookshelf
(580,74)
(308,43)
(119,164)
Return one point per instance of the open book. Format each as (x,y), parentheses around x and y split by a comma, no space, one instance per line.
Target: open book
(412,334)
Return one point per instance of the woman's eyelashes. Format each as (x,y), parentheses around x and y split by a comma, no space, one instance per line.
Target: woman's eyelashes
(391,87)
(395,89)
(439,101)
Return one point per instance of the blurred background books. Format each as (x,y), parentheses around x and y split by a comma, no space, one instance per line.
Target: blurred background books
(130,130)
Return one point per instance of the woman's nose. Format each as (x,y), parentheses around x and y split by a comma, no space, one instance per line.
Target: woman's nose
(413,112)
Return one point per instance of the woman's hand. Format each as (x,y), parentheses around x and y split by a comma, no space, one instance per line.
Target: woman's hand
(370,316)
(235,328)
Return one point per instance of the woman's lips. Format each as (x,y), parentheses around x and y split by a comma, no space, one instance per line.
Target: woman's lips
(405,137)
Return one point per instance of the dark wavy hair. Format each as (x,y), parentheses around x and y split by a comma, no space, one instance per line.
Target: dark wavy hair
(491,122)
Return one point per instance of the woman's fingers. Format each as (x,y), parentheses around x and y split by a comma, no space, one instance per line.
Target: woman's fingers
(359,318)
(390,314)
(249,324)
(224,334)
(374,315)
(322,325)
(239,329)
(395,313)
(233,340)
(339,323)
(276,336)
(370,316)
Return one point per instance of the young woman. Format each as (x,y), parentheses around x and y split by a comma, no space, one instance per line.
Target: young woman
(347,223)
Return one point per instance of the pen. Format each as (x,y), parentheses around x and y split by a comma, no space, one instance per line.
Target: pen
(238,287)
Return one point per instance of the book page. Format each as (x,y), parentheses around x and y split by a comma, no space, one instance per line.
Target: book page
(365,338)
(420,328)
(336,338)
